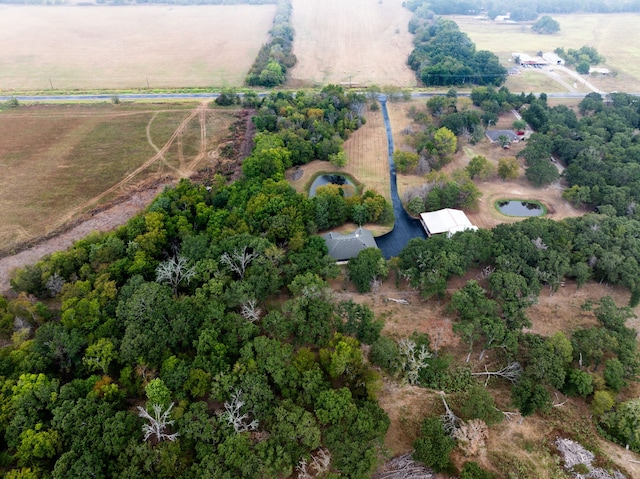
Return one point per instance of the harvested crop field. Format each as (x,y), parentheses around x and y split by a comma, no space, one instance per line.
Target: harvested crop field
(116,47)
(357,42)
(62,161)
(608,33)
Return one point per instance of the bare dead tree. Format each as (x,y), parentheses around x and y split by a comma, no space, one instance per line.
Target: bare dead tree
(487,271)
(538,243)
(509,415)
(320,462)
(250,310)
(511,372)
(471,436)
(450,422)
(404,467)
(234,415)
(146,373)
(175,271)
(238,260)
(412,359)
(157,423)
(54,284)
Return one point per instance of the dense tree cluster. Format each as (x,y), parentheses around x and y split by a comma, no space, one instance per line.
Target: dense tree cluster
(601,149)
(446,56)
(210,313)
(275,57)
(546,25)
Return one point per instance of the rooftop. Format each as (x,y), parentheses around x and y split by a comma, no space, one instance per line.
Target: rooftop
(346,246)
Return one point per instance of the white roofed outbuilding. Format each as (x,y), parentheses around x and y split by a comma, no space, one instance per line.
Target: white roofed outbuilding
(447,221)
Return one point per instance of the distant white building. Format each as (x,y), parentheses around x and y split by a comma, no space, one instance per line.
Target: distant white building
(527,60)
(448,221)
(553,59)
(599,70)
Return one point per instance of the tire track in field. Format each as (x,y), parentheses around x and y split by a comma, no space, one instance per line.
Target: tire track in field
(158,156)
(202,151)
(155,147)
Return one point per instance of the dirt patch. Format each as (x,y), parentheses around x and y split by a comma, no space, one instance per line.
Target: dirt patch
(355,42)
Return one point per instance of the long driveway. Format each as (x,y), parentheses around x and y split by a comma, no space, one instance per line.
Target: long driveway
(404,227)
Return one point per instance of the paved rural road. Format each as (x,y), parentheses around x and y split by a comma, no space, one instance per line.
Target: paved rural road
(405,227)
(108,97)
(195,96)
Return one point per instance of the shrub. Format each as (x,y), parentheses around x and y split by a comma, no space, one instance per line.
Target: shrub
(471,470)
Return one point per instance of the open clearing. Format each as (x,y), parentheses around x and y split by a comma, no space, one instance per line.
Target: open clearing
(608,33)
(112,47)
(62,161)
(358,42)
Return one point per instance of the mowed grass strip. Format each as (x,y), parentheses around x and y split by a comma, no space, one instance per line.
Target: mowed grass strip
(608,33)
(59,158)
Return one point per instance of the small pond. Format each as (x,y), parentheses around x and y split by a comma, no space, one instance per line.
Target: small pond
(322,180)
(520,208)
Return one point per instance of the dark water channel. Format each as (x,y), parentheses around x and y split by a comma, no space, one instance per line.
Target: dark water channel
(520,208)
(405,227)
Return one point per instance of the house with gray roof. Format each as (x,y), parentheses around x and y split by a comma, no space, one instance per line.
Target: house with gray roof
(494,135)
(343,247)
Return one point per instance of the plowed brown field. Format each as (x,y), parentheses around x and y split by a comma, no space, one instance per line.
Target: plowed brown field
(133,46)
(60,162)
(358,42)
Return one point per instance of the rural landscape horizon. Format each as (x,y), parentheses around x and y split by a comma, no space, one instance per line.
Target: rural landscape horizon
(389,239)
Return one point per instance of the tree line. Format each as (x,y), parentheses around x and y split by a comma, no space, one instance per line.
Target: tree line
(522,10)
(274,57)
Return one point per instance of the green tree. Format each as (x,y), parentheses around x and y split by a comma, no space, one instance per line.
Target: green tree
(542,173)
(529,396)
(583,68)
(508,168)
(359,321)
(157,393)
(479,166)
(546,25)
(624,424)
(579,383)
(504,141)
(405,161)
(520,125)
(433,447)
(614,374)
(602,402)
(99,355)
(367,267)
(445,144)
